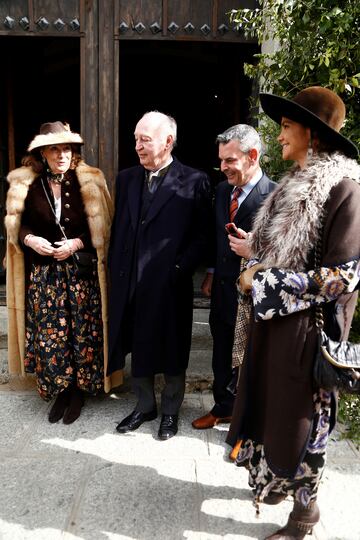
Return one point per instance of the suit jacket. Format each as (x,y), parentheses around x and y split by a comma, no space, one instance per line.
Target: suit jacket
(227,263)
(163,250)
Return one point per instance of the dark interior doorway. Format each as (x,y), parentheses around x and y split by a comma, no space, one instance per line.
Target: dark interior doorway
(40,83)
(202,85)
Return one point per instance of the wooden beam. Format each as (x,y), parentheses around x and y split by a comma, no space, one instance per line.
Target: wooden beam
(107,105)
(31,16)
(10,122)
(89,85)
(214,21)
(165,9)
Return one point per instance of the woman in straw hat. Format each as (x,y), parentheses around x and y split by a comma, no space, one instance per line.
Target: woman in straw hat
(57,209)
(282,420)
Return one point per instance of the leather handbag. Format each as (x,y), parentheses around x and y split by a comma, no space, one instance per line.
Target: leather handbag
(85,264)
(337,363)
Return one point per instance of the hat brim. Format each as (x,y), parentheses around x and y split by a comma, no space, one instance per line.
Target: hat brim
(277,107)
(67,137)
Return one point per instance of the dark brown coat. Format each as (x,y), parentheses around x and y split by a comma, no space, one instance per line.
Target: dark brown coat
(274,404)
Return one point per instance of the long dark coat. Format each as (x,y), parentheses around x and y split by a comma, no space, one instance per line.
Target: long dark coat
(274,404)
(227,263)
(167,246)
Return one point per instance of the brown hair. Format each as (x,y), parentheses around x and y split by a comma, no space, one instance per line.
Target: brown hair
(321,146)
(35,161)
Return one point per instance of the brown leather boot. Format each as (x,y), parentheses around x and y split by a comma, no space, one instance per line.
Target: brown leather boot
(57,410)
(300,523)
(274,498)
(74,409)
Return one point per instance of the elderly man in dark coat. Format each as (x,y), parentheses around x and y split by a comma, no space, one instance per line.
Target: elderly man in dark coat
(159,236)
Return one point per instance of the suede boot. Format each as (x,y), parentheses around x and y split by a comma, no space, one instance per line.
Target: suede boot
(57,410)
(75,404)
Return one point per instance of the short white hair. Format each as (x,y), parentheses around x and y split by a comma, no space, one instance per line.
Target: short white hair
(168,122)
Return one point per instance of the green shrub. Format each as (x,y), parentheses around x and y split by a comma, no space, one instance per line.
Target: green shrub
(349,416)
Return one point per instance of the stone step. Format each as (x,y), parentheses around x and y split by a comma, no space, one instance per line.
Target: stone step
(199,373)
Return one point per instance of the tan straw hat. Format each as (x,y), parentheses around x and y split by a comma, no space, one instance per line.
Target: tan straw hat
(54,133)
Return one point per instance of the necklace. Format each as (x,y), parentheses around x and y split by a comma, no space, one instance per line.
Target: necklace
(53,177)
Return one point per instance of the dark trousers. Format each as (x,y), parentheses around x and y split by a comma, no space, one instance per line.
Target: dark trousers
(172,394)
(223,339)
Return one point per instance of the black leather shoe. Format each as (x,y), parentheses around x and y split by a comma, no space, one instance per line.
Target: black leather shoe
(134,420)
(168,426)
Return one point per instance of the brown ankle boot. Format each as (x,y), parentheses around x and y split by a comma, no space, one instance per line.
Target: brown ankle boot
(59,406)
(74,409)
(274,498)
(300,523)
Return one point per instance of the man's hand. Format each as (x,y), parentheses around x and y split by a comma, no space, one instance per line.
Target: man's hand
(206,285)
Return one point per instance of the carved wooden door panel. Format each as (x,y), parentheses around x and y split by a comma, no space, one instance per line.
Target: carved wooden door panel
(40,17)
(195,20)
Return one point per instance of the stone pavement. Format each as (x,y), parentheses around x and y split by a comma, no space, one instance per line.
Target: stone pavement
(86,482)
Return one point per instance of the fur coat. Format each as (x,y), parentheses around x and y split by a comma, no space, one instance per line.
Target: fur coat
(290,221)
(99,210)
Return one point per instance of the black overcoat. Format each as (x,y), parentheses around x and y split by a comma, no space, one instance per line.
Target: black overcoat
(163,250)
(227,263)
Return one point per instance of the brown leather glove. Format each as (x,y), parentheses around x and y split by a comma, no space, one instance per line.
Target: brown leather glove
(246,278)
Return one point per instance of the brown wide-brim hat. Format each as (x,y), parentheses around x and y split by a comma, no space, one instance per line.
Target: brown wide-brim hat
(54,133)
(315,107)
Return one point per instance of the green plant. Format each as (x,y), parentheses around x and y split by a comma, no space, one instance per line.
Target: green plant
(349,416)
(316,43)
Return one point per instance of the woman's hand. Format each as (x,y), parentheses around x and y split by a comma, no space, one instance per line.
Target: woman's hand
(67,248)
(39,244)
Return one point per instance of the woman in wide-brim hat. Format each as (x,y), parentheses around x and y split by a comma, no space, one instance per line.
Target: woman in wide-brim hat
(57,208)
(282,419)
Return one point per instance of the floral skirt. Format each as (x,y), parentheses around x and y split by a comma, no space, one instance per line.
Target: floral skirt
(64,333)
(304,486)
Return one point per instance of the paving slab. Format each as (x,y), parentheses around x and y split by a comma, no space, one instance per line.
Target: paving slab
(36,496)
(87,482)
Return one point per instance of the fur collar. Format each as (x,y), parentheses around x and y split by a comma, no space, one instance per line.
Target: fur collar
(288,225)
(92,186)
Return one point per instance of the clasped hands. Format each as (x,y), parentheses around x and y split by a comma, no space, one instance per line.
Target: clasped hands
(44,247)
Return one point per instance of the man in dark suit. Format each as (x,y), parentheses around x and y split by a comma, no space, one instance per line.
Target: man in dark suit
(158,238)
(237,200)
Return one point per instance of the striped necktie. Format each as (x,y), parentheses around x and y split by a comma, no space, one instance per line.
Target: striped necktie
(234,202)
